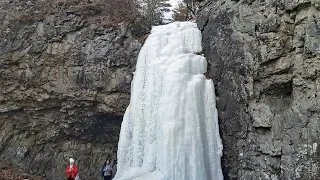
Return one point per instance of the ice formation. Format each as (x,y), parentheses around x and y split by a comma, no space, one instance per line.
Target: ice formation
(170,129)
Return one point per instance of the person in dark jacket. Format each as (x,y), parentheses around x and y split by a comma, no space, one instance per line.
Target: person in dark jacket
(106,170)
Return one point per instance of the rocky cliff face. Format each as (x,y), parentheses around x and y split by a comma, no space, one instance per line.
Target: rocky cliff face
(65,84)
(264,58)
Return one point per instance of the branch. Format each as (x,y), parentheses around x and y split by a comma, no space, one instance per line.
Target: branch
(190,9)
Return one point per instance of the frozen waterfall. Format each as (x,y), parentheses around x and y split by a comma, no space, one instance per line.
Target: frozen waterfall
(170,129)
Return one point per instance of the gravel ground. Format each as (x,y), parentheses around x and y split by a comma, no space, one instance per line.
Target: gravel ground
(9,172)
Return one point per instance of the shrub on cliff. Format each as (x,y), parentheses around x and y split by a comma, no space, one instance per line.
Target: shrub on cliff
(189,9)
(181,13)
(106,12)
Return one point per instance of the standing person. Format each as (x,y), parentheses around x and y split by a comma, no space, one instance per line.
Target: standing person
(71,170)
(106,170)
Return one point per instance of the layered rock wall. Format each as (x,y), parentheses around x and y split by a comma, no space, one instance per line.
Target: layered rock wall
(264,57)
(65,82)
(64,86)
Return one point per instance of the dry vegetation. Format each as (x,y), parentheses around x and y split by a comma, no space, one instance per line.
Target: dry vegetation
(181,13)
(190,9)
(107,12)
(8,172)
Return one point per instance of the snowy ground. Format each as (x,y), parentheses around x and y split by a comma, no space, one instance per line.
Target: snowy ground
(170,129)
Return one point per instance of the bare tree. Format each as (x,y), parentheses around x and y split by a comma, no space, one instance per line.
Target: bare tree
(196,6)
(151,11)
(181,13)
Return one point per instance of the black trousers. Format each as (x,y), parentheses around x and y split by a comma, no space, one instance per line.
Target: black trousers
(70,178)
(107,177)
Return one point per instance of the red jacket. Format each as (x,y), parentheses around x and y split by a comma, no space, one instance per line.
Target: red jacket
(71,172)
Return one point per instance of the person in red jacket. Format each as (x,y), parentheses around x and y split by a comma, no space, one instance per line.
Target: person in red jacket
(71,170)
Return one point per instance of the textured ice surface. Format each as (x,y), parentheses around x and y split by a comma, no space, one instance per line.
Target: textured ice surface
(170,129)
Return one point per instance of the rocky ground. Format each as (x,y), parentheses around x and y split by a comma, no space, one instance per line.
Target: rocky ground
(9,172)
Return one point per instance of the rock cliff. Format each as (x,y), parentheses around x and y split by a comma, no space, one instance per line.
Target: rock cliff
(66,68)
(65,84)
(264,57)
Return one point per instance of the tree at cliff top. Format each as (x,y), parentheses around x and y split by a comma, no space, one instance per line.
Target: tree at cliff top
(181,13)
(189,9)
(151,11)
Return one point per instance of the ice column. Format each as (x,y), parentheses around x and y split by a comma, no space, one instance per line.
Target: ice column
(170,129)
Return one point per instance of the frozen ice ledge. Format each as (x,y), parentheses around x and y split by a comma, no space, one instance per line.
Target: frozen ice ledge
(170,129)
